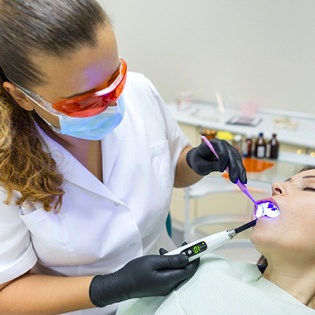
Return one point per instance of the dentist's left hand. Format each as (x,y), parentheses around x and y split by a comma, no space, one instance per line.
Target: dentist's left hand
(203,161)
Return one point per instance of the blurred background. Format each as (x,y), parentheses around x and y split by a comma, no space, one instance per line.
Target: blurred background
(257,51)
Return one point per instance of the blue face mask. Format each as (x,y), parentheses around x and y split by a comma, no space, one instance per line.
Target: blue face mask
(92,128)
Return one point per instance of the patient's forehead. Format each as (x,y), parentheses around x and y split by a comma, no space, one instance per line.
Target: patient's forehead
(309,174)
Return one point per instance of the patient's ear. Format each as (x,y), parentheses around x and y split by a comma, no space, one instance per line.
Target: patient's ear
(19,97)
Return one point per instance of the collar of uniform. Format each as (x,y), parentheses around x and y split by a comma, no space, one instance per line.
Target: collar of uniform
(73,170)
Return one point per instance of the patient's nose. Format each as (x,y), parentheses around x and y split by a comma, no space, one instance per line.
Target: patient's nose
(277,189)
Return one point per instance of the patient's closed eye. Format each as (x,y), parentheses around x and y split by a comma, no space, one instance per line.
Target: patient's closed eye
(309,189)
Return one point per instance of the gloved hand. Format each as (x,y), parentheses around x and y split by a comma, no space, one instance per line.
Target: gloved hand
(203,161)
(151,275)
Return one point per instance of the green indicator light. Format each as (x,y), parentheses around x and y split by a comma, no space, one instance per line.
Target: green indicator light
(196,249)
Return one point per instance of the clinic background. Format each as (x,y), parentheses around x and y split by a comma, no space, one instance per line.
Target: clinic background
(248,51)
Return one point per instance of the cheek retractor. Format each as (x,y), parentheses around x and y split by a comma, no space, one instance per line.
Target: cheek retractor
(266,208)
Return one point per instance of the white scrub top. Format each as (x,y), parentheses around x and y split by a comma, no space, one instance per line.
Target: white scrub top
(101,226)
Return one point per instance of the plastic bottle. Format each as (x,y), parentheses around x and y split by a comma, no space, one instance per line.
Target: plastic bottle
(273,147)
(260,146)
(237,143)
(248,146)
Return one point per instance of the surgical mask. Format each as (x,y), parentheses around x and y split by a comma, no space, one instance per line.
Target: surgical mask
(94,127)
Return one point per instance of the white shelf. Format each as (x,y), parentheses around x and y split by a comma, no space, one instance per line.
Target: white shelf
(207,115)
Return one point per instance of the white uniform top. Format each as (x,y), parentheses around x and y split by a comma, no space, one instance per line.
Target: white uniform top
(101,226)
(220,286)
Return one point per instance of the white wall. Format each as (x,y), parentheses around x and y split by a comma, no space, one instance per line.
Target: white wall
(262,51)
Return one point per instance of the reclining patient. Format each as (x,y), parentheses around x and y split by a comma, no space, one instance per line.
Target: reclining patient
(287,285)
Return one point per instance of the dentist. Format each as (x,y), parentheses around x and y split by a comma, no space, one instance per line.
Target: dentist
(88,157)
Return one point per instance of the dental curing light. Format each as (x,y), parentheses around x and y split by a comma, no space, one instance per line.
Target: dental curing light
(198,248)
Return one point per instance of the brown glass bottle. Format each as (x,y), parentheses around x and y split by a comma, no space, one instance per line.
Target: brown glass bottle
(260,146)
(273,147)
(248,146)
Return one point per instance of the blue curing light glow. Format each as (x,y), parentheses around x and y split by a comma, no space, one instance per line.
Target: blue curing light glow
(267,208)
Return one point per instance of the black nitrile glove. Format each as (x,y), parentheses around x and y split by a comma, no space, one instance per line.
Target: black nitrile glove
(151,275)
(203,161)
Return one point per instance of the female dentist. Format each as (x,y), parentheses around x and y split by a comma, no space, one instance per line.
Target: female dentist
(88,157)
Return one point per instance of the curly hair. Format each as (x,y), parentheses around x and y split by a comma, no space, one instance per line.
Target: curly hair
(28,26)
(24,165)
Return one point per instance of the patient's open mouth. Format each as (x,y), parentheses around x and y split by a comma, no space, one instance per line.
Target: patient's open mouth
(266,208)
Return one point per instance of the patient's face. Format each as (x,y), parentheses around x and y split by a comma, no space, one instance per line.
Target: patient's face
(292,232)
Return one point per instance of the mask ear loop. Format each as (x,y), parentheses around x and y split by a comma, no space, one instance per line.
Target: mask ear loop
(56,129)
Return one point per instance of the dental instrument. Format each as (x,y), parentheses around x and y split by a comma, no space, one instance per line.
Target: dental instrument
(242,186)
(198,248)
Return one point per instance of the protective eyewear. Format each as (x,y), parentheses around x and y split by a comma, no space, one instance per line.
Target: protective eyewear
(91,103)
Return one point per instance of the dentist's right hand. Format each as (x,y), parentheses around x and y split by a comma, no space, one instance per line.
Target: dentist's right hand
(151,275)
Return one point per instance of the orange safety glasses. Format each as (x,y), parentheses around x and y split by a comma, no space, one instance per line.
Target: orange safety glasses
(95,102)
(91,103)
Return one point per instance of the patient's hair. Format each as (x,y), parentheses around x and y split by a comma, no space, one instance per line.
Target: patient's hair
(262,262)
(307,168)
(30,27)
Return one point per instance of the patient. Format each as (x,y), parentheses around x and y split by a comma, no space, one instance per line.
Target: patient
(287,286)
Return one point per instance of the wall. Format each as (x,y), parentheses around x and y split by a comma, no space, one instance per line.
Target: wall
(260,51)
